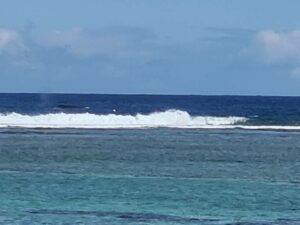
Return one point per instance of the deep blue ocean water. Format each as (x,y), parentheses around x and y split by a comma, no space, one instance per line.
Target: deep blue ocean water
(259,110)
(117,159)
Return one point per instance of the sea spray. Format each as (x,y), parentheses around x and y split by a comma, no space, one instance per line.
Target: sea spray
(169,118)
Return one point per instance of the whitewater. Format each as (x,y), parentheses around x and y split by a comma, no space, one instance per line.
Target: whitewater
(166,119)
(169,118)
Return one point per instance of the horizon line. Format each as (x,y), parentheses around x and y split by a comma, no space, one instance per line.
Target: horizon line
(149,94)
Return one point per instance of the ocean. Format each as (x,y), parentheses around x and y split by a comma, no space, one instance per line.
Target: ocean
(149,159)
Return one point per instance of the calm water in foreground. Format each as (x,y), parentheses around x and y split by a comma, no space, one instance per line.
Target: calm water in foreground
(156,176)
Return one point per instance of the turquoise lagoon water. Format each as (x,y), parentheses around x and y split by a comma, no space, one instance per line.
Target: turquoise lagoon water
(149,176)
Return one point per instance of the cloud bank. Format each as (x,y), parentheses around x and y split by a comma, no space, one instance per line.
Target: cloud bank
(136,60)
(65,59)
(56,48)
(10,42)
(115,43)
(280,46)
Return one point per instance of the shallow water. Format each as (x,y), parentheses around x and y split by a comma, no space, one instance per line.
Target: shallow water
(154,176)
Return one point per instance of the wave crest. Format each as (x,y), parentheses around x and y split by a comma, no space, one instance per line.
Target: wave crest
(169,118)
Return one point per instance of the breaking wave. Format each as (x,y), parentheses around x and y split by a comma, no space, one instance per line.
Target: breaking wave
(169,118)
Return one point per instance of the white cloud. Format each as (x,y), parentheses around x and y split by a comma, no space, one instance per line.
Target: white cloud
(10,42)
(280,46)
(118,49)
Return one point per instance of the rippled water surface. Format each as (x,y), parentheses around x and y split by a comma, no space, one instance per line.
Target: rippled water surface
(154,176)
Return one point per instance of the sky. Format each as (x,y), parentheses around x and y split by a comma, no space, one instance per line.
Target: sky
(203,47)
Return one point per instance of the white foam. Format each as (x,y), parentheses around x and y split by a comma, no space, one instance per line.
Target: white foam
(170,118)
(266,127)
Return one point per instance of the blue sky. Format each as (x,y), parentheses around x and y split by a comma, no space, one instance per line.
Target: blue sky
(150,46)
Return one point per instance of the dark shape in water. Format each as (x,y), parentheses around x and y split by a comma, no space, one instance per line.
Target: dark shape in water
(69,106)
(280,221)
(148,217)
(131,216)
